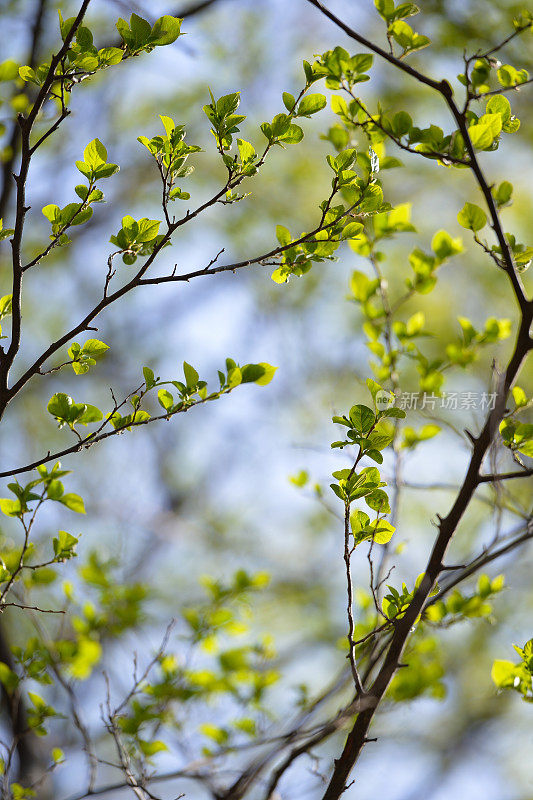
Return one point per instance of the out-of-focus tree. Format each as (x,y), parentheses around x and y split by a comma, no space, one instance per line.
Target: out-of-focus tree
(202,705)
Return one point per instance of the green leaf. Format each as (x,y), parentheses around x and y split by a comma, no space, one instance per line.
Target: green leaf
(140,28)
(358,521)
(415,324)
(168,124)
(283,235)
(27,74)
(234,377)
(519,396)
(523,433)
(385,8)
(301,479)
(148,229)
(191,376)
(82,191)
(280,125)
(406,37)
(352,230)
(246,151)
(95,154)
(310,104)
(94,348)
(472,217)
(510,76)
(362,418)
(288,101)
(401,123)
(165,31)
(373,388)
(91,414)
(398,413)
(9,679)
(108,56)
(383,532)
(74,502)
(228,104)
(499,104)
(87,655)
(51,212)
(55,490)
(105,171)
(59,405)
(152,747)
(481,136)
(405,10)
(149,378)
(261,373)
(251,373)
(11,508)
(362,286)
(6,304)
(293,135)
(74,214)
(428,432)
(165,399)
(503,193)
(84,169)
(64,545)
(444,246)
(411,437)
(280,275)
(378,501)
(5,233)
(214,732)
(503,673)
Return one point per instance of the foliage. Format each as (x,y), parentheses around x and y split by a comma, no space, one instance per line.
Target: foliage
(219,679)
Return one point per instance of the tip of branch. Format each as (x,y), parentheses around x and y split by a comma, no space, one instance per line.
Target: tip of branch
(470,436)
(446,89)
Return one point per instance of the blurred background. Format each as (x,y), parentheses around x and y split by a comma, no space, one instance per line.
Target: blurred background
(210,492)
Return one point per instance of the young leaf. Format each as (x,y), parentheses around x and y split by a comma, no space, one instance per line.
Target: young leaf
(472,217)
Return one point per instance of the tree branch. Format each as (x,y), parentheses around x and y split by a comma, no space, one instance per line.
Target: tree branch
(358,735)
(14,140)
(481,561)
(446,91)
(92,439)
(448,525)
(26,125)
(139,280)
(505,476)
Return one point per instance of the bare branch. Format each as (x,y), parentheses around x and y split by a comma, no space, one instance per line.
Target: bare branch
(14,141)
(506,476)
(486,557)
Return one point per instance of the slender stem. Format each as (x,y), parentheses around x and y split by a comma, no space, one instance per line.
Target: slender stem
(506,476)
(349,608)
